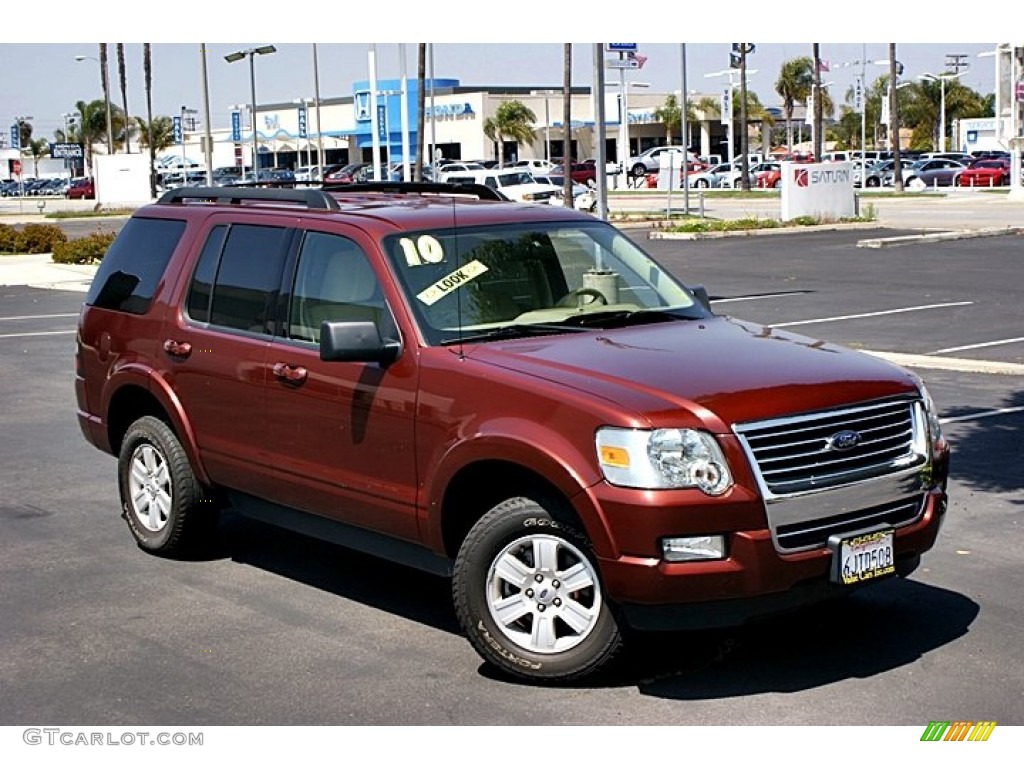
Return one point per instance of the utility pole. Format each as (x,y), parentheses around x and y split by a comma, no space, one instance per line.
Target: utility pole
(738,60)
(894,120)
(817,104)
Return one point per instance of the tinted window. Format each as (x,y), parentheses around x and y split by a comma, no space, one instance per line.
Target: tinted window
(133,265)
(333,281)
(197,305)
(246,288)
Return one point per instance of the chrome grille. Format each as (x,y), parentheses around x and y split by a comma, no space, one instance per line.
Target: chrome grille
(815,533)
(808,452)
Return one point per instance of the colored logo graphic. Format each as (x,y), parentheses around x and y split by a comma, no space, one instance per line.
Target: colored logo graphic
(800,177)
(958,730)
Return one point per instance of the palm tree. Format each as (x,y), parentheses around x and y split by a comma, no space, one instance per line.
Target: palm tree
(421,108)
(794,85)
(92,125)
(512,120)
(670,114)
(37,148)
(124,97)
(147,69)
(105,80)
(158,134)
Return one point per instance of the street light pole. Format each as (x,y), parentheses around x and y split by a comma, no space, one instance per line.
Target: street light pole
(941,79)
(106,98)
(251,53)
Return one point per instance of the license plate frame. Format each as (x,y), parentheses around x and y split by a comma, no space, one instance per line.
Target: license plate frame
(863,556)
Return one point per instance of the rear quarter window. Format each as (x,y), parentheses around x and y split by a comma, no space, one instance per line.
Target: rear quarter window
(133,265)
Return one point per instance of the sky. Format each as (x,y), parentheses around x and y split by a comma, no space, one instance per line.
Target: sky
(40,78)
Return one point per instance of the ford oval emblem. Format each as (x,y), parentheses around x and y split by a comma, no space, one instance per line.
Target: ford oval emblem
(843,441)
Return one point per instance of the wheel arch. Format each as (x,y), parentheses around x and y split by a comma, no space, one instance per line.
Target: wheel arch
(137,398)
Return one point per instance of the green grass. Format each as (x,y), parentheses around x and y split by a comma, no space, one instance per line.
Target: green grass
(105,212)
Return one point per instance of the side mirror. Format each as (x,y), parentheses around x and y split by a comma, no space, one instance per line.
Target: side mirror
(356,341)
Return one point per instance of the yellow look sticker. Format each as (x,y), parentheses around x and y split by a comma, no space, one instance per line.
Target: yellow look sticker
(450,282)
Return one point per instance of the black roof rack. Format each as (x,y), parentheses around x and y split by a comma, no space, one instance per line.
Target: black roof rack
(479,191)
(315,199)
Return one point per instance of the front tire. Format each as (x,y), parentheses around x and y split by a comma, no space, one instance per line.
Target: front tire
(529,597)
(165,506)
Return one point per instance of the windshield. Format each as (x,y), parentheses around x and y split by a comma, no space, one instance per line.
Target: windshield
(463,282)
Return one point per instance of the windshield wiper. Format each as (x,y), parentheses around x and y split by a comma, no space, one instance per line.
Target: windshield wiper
(515,331)
(621,318)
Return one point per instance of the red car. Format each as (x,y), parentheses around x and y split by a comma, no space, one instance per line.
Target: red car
(512,396)
(82,189)
(985,173)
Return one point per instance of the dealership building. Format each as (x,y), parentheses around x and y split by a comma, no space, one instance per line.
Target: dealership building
(290,135)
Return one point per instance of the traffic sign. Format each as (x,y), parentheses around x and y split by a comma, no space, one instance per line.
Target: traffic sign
(620,47)
(622,63)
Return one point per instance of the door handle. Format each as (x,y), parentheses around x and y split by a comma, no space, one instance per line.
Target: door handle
(294,374)
(180,349)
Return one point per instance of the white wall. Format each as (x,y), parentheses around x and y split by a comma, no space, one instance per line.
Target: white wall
(121,179)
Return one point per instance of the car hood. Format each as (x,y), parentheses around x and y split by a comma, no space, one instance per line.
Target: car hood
(701,371)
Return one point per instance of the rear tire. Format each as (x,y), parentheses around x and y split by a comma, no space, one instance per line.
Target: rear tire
(167,510)
(529,597)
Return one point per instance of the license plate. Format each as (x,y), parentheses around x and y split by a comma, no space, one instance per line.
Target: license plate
(864,557)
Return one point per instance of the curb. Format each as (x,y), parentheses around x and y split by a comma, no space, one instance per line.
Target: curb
(935,237)
(655,235)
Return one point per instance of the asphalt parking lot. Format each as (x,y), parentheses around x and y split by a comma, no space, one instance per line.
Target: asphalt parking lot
(272,628)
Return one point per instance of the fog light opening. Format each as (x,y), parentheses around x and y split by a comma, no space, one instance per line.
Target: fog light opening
(678,549)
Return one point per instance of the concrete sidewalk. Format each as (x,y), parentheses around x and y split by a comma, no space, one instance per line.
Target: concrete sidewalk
(39,271)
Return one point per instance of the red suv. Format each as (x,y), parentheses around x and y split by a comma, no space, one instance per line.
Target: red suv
(515,396)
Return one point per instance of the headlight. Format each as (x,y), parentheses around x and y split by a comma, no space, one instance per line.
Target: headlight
(937,442)
(663,458)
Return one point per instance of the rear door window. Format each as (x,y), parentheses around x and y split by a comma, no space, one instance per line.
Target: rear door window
(134,264)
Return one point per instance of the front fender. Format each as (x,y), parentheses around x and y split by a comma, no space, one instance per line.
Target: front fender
(519,442)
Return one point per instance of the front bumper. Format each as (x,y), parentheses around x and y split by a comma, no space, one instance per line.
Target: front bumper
(754,580)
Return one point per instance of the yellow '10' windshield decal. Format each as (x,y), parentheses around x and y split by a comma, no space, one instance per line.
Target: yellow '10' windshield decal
(450,282)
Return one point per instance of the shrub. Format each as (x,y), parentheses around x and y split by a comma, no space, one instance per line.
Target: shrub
(83,250)
(40,238)
(8,239)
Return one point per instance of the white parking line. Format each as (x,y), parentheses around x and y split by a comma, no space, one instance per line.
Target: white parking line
(38,317)
(977,346)
(37,333)
(872,314)
(982,415)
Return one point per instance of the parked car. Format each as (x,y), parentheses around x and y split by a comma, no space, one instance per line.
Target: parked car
(713,177)
(767,175)
(583,196)
(534,165)
(645,162)
(307,173)
(871,174)
(82,188)
(518,398)
(922,174)
(450,169)
(985,173)
(342,174)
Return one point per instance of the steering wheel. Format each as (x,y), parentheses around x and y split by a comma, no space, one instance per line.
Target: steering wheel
(574,298)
